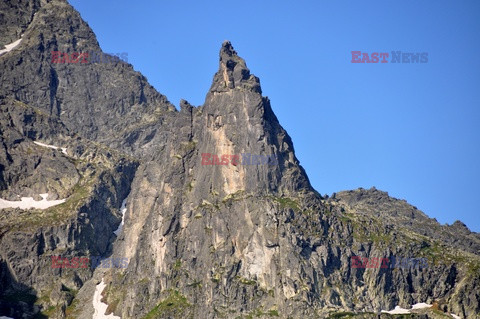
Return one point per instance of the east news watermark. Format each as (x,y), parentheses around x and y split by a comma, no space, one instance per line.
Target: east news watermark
(385,57)
(239,159)
(87,57)
(392,262)
(87,262)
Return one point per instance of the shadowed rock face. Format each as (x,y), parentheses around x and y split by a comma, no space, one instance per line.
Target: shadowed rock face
(15,16)
(91,178)
(203,241)
(107,102)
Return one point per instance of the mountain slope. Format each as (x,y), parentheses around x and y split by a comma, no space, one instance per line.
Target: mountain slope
(203,241)
(240,240)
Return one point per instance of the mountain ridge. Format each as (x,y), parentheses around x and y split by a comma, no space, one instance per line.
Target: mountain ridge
(211,241)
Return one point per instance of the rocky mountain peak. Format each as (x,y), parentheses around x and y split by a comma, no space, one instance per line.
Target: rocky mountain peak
(233,72)
(237,120)
(227,50)
(209,205)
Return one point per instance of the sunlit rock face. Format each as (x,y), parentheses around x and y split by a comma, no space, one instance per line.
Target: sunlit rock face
(243,239)
(231,236)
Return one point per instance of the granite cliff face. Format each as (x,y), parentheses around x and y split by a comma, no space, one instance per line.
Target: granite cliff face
(239,240)
(92,179)
(105,102)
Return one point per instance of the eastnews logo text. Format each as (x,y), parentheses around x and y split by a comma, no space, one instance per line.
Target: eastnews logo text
(396,57)
(87,57)
(83,262)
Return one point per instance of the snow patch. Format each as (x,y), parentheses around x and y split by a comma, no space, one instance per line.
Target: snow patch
(397,310)
(100,307)
(455,316)
(3,317)
(421,305)
(64,149)
(123,210)
(11,46)
(400,310)
(29,202)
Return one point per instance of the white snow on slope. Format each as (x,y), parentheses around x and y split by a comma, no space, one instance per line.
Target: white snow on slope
(400,310)
(11,46)
(397,310)
(421,305)
(64,149)
(3,317)
(99,306)
(455,316)
(123,210)
(29,202)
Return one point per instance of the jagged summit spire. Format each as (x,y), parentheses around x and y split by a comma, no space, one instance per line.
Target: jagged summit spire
(227,50)
(233,72)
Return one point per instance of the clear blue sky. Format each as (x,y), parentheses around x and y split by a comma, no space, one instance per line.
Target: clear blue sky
(410,129)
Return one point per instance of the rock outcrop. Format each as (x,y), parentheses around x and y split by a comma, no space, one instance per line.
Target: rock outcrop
(221,220)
